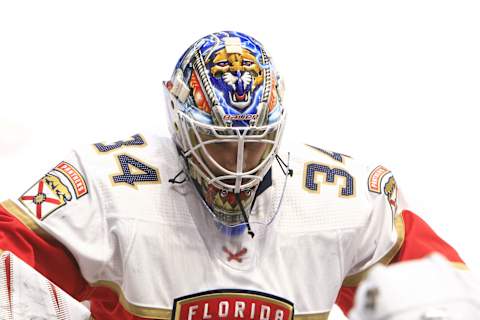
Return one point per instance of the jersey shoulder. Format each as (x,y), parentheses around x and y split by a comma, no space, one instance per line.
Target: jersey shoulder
(132,154)
(337,189)
(96,199)
(346,203)
(104,177)
(360,178)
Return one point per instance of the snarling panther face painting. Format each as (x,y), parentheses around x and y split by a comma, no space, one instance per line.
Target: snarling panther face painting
(237,76)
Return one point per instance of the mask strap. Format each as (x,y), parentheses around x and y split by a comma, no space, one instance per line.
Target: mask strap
(250,232)
(285,167)
(174,179)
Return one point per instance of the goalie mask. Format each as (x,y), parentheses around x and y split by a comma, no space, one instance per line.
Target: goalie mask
(226,117)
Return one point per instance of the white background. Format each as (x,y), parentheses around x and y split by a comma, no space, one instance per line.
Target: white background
(393,82)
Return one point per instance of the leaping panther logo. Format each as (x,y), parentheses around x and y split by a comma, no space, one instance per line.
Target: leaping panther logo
(237,75)
(390,190)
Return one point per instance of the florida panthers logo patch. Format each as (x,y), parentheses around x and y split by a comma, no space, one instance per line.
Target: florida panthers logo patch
(232,304)
(54,191)
(390,191)
(375,179)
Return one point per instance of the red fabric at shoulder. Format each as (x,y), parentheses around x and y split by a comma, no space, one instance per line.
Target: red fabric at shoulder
(345,298)
(54,261)
(420,241)
(44,254)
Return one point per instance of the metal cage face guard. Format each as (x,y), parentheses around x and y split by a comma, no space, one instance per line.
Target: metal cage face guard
(225,95)
(199,136)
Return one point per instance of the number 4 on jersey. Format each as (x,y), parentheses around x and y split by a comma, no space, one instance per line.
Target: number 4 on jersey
(134,172)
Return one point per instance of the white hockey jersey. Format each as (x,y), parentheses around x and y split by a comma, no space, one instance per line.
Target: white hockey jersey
(154,244)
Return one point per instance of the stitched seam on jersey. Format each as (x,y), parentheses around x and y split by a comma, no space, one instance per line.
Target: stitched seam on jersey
(94,187)
(17,212)
(105,230)
(139,311)
(130,244)
(341,259)
(354,279)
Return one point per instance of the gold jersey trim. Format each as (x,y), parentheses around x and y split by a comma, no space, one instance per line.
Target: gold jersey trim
(25,218)
(459,265)
(313,316)
(145,312)
(355,279)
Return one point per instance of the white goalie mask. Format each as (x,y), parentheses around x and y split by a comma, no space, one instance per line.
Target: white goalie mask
(226,117)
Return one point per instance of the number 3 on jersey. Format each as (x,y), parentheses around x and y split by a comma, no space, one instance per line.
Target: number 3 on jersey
(136,141)
(346,190)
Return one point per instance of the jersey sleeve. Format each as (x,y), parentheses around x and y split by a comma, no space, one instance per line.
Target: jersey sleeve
(22,236)
(56,226)
(26,294)
(392,233)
